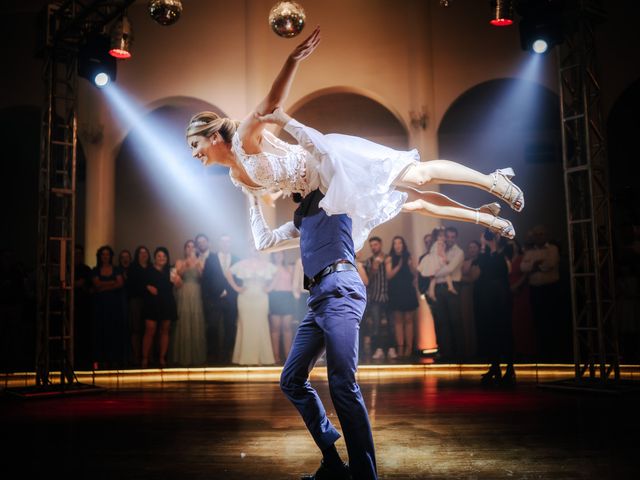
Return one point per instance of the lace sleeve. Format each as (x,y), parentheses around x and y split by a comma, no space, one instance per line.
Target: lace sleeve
(310,139)
(265,239)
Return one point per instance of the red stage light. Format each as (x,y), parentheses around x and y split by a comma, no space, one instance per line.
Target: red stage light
(501,22)
(118,53)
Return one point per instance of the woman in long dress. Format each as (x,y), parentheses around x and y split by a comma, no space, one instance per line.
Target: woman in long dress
(110,334)
(253,338)
(188,345)
(369,182)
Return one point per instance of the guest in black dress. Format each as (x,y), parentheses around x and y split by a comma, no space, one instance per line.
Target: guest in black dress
(403,297)
(493,310)
(110,333)
(136,285)
(159,307)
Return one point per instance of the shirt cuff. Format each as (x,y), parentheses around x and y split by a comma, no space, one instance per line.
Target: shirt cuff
(292,124)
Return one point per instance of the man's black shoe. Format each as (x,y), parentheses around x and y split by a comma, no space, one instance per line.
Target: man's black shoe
(325,473)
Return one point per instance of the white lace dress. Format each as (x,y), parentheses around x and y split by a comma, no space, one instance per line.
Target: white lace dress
(354,174)
(253,338)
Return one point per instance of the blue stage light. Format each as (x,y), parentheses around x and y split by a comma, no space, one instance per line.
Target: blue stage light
(540,46)
(101,79)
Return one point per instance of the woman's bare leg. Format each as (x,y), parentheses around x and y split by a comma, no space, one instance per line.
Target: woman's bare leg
(147,341)
(399,331)
(408,333)
(165,329)
(448,172)
(276,328)
(435,204)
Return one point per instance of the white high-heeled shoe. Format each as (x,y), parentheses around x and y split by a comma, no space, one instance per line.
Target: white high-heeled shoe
(512,193)
(490,208)
(506,230)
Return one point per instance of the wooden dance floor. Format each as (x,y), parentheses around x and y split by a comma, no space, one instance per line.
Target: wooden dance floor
(427,424)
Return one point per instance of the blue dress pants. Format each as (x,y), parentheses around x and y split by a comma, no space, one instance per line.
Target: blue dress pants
(332,322)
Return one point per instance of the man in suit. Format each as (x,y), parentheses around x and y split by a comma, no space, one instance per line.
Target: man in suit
(212,288)
(228,300)
(337,299)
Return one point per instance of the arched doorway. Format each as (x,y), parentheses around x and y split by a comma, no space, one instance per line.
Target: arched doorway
(509,123)
(163,195)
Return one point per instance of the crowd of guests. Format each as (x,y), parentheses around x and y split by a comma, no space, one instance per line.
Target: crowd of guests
(495,302)
(492,301)
(209,308)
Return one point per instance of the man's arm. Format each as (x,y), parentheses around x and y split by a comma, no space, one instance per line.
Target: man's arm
(266,239)
(456,261)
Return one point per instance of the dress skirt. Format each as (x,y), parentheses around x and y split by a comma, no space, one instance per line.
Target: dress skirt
(356,177)
(253,338)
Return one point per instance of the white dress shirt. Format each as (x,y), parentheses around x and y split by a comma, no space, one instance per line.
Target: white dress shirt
(453,266)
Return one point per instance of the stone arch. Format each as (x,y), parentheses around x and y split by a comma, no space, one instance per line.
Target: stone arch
(509,122)
(352,111)
(348,90)
(163,196)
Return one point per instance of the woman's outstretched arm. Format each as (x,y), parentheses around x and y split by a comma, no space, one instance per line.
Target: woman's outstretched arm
(251,127)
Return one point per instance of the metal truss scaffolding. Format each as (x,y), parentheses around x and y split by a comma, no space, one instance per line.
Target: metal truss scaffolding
(595,341)
(67,25)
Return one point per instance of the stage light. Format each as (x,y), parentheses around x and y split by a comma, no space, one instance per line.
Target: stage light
(165,12)
(540,21)
(501,13)
(121,39)
(540,46)
(101,79)
(169,168)
(94,59)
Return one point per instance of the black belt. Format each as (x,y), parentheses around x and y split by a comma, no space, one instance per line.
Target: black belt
(338,266)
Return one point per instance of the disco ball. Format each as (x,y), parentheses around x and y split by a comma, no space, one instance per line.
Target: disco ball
(165,12)
(287,19)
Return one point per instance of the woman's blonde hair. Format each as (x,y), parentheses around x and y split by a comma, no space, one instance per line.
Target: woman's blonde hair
(208,123)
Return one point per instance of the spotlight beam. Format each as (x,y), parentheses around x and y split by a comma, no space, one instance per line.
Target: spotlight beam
(160,155)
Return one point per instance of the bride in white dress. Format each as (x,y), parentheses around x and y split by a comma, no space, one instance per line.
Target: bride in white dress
(253,337)
(369,182)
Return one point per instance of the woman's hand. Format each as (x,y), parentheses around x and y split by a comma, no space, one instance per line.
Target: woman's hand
(269,199)
(278,116)
(152,290)
(307,47)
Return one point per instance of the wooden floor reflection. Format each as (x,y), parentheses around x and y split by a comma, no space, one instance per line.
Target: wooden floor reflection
(425,427)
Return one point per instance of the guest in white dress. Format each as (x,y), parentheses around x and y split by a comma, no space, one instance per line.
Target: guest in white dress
(253,338)
(189,345)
